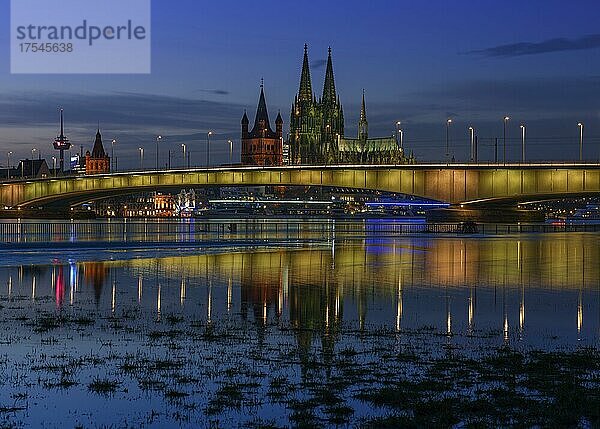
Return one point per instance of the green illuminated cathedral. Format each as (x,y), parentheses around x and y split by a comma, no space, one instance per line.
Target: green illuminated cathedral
(317,128)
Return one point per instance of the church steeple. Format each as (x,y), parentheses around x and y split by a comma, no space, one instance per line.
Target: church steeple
(245,123)
(329,94)
(262,126)
(98,149)
(305,92)
(363,124)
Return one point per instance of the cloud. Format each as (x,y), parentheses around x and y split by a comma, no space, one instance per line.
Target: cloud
(214,91)
(30,119)
(552,45)
(318,64)
(549,107)
(125,110)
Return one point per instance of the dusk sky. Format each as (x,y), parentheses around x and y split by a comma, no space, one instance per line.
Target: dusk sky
(419,62)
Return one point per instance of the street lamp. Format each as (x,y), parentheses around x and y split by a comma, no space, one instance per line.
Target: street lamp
(208,134)
(183,149)
(112,154)
(32,151)
(580,125)
(141,157)
(8,154)
(523,142)
(505,121)
(472,140)
(54,165)
(230,150)
(400,136)
(448,122)
(158,138)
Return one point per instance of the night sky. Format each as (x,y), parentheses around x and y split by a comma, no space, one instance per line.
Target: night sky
(419,63)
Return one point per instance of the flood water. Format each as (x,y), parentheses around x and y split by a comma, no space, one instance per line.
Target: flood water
(225,336)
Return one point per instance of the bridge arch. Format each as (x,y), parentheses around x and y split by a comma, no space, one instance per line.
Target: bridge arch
(451,183)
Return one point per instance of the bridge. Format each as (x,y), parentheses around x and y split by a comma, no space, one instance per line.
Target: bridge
(457,184)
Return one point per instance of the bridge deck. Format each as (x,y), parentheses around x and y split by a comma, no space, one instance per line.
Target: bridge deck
(452,183)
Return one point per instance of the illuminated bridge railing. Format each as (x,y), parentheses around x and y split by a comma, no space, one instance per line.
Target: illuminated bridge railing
(200,231)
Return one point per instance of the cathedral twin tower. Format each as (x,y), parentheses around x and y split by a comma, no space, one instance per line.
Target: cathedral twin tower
(315,126)
(316,130)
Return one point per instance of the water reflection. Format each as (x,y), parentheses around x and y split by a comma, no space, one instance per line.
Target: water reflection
(448,284)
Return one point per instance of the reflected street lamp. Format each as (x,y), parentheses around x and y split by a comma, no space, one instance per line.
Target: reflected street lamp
(505,121)
(523,142)
(580,125)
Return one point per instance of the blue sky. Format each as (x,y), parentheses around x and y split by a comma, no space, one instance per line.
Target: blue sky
(419,62)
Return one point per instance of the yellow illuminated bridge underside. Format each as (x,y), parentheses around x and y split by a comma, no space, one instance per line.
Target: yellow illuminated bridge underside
(454,183)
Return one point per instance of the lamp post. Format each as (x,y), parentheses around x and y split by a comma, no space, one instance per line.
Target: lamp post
(112,153)
(158,139)
(54,165)
(32,152)
(230,150)
(400,136)
(505,121)
(402,140)
(472,141)
(141,149)
(8,154)
(523,142)
(580,125)
(183,150)
(448,122)
(208,134)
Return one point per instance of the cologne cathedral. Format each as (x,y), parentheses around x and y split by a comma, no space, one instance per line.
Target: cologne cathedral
(317,128)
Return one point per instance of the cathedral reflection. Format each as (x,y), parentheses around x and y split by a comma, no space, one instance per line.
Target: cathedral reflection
(414,281)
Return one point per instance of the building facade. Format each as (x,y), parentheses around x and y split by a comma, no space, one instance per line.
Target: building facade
(98,161)
(261,145)
(317,128)
(365,150)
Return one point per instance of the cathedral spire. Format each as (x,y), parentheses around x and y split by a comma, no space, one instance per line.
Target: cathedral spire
(329,94)
(305,92)
(363,124)
(363,108)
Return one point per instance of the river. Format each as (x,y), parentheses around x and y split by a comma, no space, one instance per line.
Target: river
(233,331)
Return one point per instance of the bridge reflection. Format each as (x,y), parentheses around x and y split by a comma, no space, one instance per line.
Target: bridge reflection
(565,261)
(518,286)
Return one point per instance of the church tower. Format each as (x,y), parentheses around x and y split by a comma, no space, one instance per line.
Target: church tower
(98,161)
(332,114)
(305,121)
(363,124)
(262,145)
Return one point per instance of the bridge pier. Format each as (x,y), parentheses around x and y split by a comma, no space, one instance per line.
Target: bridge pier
(497,214)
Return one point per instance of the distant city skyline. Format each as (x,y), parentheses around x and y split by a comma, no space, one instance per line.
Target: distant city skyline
(418,63)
